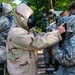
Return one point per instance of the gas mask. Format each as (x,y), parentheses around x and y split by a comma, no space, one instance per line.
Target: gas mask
(31,22)
(1,7)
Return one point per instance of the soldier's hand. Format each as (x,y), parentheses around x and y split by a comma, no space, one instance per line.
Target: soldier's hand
(61,28)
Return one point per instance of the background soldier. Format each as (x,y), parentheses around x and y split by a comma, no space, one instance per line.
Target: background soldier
(5,24)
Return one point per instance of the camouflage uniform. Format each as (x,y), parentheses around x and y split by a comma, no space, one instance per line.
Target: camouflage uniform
(5,24)
(44,23)
(4,28)
(47,51)
(22,44)
(66,54)
(49,60)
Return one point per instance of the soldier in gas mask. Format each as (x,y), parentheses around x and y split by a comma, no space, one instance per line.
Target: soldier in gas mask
(22,44)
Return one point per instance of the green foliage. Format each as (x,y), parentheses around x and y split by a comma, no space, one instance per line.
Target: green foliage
(39,6)
(38,29)
(62,4)
(6,1)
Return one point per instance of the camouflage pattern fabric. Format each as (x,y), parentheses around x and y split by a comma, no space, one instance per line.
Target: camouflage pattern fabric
(44,23)
(22,43)
(4,28)
(66,54)
(5,24)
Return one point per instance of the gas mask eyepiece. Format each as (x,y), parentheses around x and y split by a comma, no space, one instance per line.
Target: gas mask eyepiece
(31,22)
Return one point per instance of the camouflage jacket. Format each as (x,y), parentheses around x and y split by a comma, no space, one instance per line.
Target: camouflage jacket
(4,28)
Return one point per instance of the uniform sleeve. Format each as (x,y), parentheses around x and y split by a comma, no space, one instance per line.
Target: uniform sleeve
(66,55)
(4,24)
(30,42)
(4,28)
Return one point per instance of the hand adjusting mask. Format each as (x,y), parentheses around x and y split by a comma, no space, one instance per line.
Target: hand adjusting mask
(31,22)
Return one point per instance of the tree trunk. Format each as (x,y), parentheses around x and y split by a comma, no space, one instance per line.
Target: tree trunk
(51,2)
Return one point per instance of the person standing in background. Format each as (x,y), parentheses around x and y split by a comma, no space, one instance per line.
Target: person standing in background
(5,25)
(47,51)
